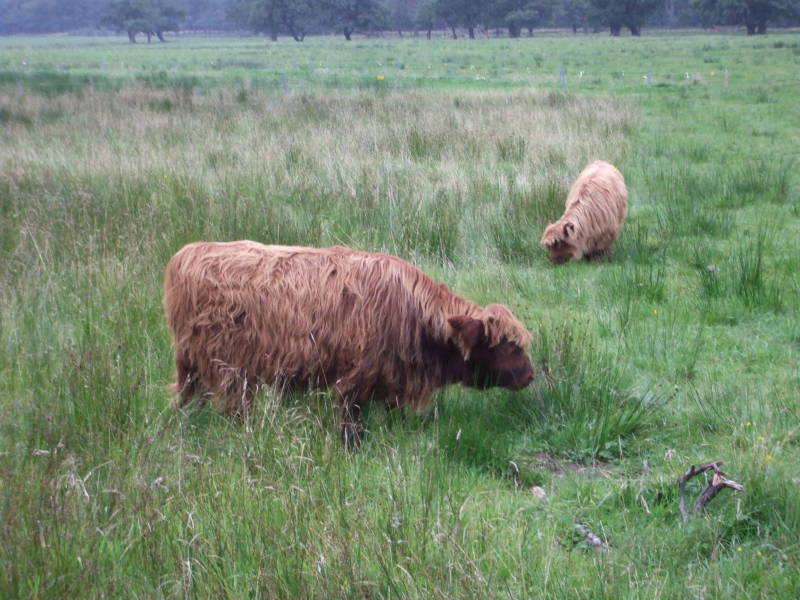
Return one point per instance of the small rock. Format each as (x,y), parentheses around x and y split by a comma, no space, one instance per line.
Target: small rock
(539,492)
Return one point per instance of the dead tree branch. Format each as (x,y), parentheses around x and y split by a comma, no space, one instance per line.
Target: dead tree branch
(718,481)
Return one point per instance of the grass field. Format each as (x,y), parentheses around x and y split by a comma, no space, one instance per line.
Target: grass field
(453,155)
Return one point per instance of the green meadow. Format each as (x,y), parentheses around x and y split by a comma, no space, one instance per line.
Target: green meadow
(454,155)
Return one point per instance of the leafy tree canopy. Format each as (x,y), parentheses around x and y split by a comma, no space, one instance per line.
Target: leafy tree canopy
(617,14)
(753,14)
(151,17)
(299,18)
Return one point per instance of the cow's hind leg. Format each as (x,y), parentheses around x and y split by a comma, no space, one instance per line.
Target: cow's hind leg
(599,255)
(185,384)
(352,425)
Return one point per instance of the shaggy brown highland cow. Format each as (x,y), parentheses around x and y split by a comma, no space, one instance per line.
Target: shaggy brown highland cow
(595,210)
(242,315)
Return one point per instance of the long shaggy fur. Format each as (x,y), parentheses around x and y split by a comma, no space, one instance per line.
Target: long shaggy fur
(243,314)
(595,209)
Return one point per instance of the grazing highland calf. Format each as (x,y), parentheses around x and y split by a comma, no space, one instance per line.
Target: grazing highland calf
(595,210)
(242,315)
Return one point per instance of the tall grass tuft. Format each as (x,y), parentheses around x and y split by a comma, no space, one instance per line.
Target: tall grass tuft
(511,149)
(429,229)
(517,224)
(422,146)
(638,243)
(639,280)
(710,280)
(683,195)
(749,281)
(757,180)
(584,405)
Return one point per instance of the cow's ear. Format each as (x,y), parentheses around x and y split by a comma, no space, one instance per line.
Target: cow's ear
(569,227)
(468,331)
(495,312)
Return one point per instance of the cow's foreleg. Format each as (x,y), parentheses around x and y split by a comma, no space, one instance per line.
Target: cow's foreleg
(352,424)
(351,399)
(599,255)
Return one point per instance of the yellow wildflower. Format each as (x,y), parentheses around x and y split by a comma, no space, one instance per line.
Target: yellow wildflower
(768,458)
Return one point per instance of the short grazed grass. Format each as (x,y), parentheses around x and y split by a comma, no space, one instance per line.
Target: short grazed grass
(682,349)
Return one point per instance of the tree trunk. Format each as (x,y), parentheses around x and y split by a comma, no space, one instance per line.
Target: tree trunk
(347,33)
(428,35)
(669,10)
(149,35)
(574,28)
(513,31)
(635,29)
(530,31)
(160,35)
(453,27)
(273,28)
(761,28)
(471,30)
(751,28)
(615,30)
(132,37)
(297,35)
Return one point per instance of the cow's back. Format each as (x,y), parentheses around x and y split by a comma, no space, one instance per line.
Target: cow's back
(243,311)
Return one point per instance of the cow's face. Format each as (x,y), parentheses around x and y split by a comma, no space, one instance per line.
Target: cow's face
(558,238)
(560,252)
(505,364)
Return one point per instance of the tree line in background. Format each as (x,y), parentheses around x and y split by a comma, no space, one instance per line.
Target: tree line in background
(299,18)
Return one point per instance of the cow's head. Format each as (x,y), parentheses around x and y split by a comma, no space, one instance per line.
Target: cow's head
(493,349)
(559,239)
